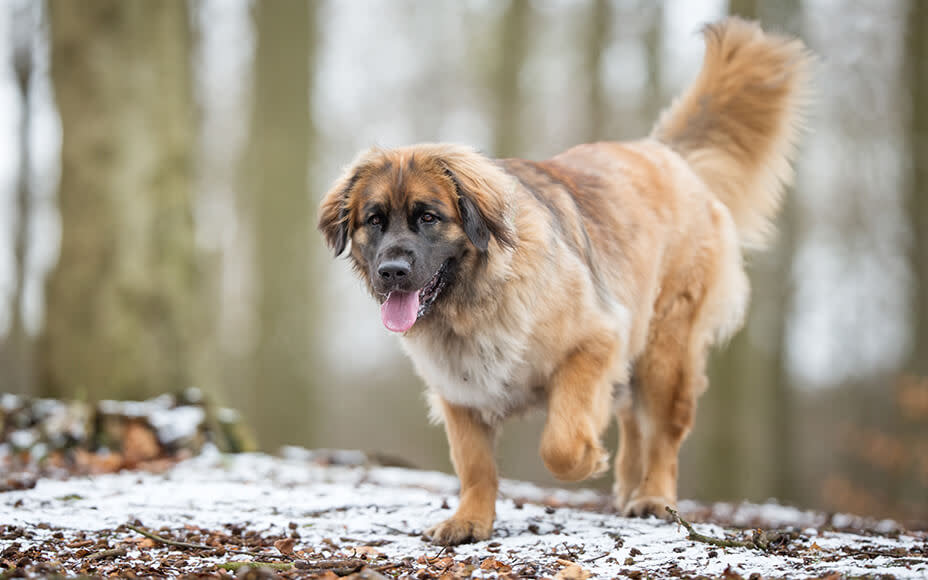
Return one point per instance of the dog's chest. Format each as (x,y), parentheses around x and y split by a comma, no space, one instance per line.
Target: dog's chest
(487,372)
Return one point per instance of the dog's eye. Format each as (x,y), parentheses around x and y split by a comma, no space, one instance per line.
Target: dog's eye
(428,218)
(374,220)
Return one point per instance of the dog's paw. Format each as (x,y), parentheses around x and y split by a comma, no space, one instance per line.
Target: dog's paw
(454,531)
(652,505)
(576,461)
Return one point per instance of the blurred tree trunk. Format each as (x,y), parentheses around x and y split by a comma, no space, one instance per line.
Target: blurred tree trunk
(733,377)
(17,348)
(653,39)
(277,162)
(122,303)
(907,495)
(597,41)
(785,16)
(916,71)
(746,9)
(513,48)
(749,404)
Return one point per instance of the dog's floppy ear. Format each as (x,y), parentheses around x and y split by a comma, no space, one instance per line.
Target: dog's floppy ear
(475,226)
(333,212)
(483,191)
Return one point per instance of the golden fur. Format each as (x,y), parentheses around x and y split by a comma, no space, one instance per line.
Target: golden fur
(609,271)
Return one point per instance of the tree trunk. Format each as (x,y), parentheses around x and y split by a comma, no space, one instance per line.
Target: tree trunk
(746,9)
(653,98)
(908,494)
(721,446)
(782,443)
(916,71)
(17,347)
(277,163)
(750,398)
(122,303)
(512,49)
(597,41)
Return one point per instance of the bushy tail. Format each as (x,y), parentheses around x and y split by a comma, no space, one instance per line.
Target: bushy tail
(738,123)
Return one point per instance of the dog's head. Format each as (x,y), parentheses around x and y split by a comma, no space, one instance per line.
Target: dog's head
(419,219)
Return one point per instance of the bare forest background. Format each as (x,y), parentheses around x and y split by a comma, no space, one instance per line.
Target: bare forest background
(161,164)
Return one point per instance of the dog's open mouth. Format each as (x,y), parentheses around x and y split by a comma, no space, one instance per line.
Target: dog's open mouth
(401,309)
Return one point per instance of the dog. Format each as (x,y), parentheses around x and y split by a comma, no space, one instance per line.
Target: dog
(590,284)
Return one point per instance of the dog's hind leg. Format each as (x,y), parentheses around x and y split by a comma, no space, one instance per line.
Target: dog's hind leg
(579,409)
(472,442)
(628,459)
(669,375)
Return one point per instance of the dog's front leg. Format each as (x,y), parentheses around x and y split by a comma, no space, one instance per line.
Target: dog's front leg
(579,408)
(472,441)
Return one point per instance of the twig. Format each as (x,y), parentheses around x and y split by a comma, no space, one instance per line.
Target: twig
(696,536)
(164,540)
(396,531)
(601,556)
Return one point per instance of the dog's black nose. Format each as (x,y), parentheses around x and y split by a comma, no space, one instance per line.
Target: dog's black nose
(393,270)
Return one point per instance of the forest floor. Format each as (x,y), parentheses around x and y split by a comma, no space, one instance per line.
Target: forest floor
(331,514)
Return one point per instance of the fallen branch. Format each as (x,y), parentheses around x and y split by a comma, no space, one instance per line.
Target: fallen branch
(696,536)
(339,567)
(233,566)
(164,540)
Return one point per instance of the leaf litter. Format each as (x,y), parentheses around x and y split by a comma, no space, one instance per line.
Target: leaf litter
(327,514)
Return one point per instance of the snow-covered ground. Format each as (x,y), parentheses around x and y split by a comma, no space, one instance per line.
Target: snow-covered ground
(334,509)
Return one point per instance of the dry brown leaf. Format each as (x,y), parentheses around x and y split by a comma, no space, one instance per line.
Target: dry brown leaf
(494,564)
(572,572)
(285,546)
(147,543)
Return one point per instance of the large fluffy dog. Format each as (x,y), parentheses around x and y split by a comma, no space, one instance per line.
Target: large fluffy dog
(589,284)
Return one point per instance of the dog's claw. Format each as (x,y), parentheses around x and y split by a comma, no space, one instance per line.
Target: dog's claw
(454,531)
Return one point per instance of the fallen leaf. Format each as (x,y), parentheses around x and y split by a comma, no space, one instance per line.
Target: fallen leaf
(572,572)
(494,564)
(285,546)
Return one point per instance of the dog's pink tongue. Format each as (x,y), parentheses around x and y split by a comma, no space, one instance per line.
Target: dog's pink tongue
(400,310)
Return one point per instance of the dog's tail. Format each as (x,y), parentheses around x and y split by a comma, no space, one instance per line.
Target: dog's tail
(738,123)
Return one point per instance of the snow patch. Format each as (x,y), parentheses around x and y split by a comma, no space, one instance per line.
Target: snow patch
(377,503)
